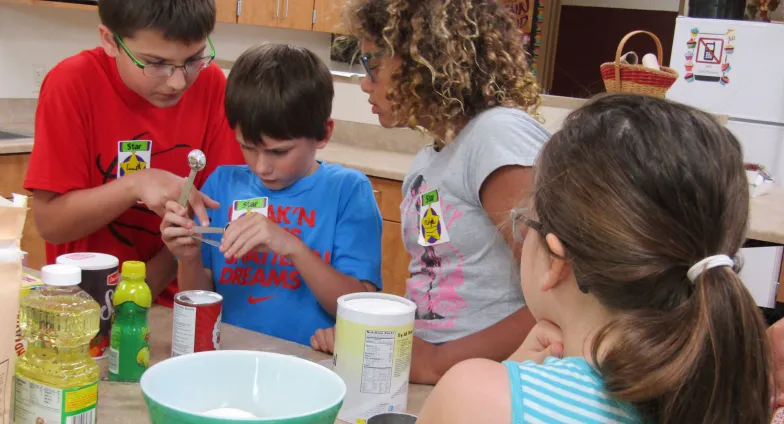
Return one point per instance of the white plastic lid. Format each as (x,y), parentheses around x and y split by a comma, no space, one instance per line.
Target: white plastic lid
(61,275)
(377,306)
(89,261)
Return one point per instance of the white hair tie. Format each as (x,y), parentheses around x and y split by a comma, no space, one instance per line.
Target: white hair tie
(708,263)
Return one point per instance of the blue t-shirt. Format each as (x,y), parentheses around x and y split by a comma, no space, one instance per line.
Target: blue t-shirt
(332,210)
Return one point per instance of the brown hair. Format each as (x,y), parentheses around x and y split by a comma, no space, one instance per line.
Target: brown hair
(279,91)
(179,20)
(640,189)
(459,58)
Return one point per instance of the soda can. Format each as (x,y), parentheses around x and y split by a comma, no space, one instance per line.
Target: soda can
(196,322)
(100,276)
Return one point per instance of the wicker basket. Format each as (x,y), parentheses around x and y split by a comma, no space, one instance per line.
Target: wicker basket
(627,78)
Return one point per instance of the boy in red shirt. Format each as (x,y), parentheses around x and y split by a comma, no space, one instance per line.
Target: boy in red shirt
(114,127)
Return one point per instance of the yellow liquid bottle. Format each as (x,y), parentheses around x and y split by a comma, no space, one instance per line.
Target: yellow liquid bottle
(56,379)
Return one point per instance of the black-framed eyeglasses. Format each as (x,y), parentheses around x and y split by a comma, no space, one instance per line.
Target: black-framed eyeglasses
(521,221)
(366,58)
(191,67)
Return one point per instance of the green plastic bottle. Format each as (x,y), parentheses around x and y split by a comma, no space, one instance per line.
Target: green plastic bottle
(129,350)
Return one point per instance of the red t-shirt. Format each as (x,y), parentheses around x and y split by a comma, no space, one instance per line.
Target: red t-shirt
(86,113)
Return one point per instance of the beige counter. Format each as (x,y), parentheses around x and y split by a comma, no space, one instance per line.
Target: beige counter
(767,217)
(767,211)
(17,145)
(372,162)
(121,403)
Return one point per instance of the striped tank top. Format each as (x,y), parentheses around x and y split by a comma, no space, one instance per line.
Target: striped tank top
(565,390)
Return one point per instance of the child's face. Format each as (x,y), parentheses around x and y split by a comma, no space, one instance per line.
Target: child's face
(382,68)
(281,163)
(149,47)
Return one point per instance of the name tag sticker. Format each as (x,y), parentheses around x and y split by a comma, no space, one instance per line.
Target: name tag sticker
(240,208)
(132,156)
(432,227)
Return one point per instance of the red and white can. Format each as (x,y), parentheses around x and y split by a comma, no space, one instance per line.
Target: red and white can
(197,321)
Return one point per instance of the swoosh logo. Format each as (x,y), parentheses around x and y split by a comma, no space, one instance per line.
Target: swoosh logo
(254,300)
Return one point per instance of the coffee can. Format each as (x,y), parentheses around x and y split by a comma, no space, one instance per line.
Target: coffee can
(196,322)
(100,277)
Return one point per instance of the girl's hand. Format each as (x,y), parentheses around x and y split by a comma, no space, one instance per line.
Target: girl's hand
(545,339)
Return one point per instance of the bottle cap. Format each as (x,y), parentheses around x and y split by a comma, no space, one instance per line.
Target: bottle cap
(61,275)
(133,269)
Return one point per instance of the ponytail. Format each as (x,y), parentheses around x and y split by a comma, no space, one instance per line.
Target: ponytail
(696,363)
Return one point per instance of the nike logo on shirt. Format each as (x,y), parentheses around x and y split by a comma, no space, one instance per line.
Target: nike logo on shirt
(254,300)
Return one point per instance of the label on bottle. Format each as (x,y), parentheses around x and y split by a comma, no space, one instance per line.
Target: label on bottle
(114,360)
(35,403)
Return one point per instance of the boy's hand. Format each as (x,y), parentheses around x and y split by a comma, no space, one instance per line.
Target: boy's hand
(545,339)
(324,340)
(155,187)
(256,232)
(176,231)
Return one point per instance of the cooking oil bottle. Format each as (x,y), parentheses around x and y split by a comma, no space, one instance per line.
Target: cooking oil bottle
(56,379)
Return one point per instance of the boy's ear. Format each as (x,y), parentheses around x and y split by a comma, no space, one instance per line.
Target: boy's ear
(329,127)
(108,42)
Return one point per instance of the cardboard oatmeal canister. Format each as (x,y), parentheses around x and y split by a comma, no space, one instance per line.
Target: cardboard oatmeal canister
(196,322)
(100,277)
(374,337)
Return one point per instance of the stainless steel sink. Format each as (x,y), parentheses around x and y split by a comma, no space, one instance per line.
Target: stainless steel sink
(10,135)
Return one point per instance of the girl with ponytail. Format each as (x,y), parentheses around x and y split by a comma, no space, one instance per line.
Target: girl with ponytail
(630,239)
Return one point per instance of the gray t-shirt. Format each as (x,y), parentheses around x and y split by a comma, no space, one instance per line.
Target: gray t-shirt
(471,281)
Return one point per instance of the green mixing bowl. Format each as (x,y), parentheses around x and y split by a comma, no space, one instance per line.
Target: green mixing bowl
(279,389)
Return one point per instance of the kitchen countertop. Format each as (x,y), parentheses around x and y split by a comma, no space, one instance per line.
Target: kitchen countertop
(373,162)
(121,403)
(767,211)
(767,217)
(17,145)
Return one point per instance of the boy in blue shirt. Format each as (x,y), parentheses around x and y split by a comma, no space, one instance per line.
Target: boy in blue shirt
(303,232)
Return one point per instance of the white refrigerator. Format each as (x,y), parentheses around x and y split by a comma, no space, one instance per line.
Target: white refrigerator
(736,68)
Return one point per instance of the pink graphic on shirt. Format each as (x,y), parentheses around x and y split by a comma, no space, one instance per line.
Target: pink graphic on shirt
(434,283)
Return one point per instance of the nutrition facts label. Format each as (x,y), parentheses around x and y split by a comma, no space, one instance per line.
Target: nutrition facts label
(184,329)
(377,363)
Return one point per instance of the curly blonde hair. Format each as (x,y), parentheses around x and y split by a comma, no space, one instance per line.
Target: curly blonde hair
(459,58)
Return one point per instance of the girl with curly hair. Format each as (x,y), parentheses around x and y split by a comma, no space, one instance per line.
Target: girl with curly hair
(457,70)
(630,245)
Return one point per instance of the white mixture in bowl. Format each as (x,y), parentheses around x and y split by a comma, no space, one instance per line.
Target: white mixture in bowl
(228,413)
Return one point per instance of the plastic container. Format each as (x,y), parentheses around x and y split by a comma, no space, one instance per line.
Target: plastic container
(374,336)
(129,353)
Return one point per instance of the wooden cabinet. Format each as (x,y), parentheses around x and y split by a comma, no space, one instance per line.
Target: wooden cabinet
(257,12)
(296,14)
(327,16)
(13,169)
(226,10)
(394,257)
(293,14)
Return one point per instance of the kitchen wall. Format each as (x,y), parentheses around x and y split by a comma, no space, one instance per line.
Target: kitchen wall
(36,37)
